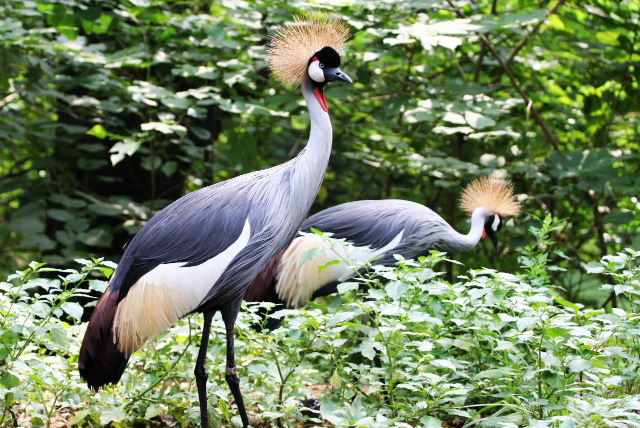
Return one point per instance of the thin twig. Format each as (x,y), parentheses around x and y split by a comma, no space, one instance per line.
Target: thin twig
(514,82)
(476,73)
(528,101)
(533,31)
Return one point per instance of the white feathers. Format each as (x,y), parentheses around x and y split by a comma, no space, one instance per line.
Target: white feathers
(496,223)
(167,293)
(315,72)
(312,261)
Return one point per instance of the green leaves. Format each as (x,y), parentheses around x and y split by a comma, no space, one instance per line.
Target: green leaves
(113,414)
(9,381)
(432,347)
(73,309)
(478,121)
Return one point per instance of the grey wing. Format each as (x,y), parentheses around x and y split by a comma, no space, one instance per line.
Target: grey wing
(372,223)
(191,230)
(375,223)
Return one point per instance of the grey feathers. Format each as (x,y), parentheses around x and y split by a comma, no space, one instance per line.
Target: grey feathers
(202,224)
(375,223)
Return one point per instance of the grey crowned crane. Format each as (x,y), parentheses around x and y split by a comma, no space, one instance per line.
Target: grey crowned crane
(201,252)
(376,229)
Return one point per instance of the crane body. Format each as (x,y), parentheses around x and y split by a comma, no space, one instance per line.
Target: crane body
(200,253)
(374,229)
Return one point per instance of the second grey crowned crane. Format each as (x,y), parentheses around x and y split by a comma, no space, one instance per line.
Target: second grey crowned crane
(376,229)
(200,253)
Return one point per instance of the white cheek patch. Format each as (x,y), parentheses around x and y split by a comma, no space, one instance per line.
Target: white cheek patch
(315,72)
(496,223)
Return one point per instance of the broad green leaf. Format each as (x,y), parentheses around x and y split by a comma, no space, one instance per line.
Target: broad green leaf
(123,149)
(9,381)
(478,121)
(444,364)
(73,309)
(154,410)
(163,127)
(79,416)
(342,316)
(98,131)
(430,422)
(113,414)
(396,289)
(594,267)
(335,380)
(98,285)
(58,335)
(345,287)
(580,365)
(367,350)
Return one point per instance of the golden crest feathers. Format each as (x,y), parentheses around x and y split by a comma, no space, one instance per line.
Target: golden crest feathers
(491,192)
(293,44)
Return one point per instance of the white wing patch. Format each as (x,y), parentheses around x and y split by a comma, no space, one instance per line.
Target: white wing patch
(298,279)
(168,292)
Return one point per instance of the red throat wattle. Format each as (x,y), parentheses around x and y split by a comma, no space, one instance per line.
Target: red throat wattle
(484,233)
(322,99)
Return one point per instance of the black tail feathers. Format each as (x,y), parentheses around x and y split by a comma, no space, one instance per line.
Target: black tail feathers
(100,361)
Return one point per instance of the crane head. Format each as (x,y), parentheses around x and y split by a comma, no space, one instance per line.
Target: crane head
(492,226)
(324,67)
(308,49)
(493,198)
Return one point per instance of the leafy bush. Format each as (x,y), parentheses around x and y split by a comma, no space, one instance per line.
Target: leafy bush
(493,349)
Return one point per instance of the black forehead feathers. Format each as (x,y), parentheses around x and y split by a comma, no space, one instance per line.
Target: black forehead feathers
(328,56)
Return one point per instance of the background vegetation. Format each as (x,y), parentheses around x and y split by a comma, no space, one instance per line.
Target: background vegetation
(110,110)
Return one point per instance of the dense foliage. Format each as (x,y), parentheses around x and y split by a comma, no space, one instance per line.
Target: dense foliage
(493,349)
(110,110)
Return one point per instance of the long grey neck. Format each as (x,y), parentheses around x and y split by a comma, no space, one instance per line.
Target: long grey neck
(311,163)
(459,242)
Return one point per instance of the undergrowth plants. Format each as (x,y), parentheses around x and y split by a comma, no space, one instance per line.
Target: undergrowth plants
(410,349)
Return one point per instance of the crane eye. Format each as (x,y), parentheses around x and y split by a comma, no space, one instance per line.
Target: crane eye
(315,71)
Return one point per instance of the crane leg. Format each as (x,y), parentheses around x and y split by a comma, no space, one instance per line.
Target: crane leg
(201,370)
(229,316)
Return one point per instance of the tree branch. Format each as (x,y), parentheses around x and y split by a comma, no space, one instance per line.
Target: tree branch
(494,7)
(528,101)
(514,82)
(533,31)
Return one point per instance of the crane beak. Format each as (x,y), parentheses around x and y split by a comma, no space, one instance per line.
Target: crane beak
(494,238)
(335,74)
(330,75)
